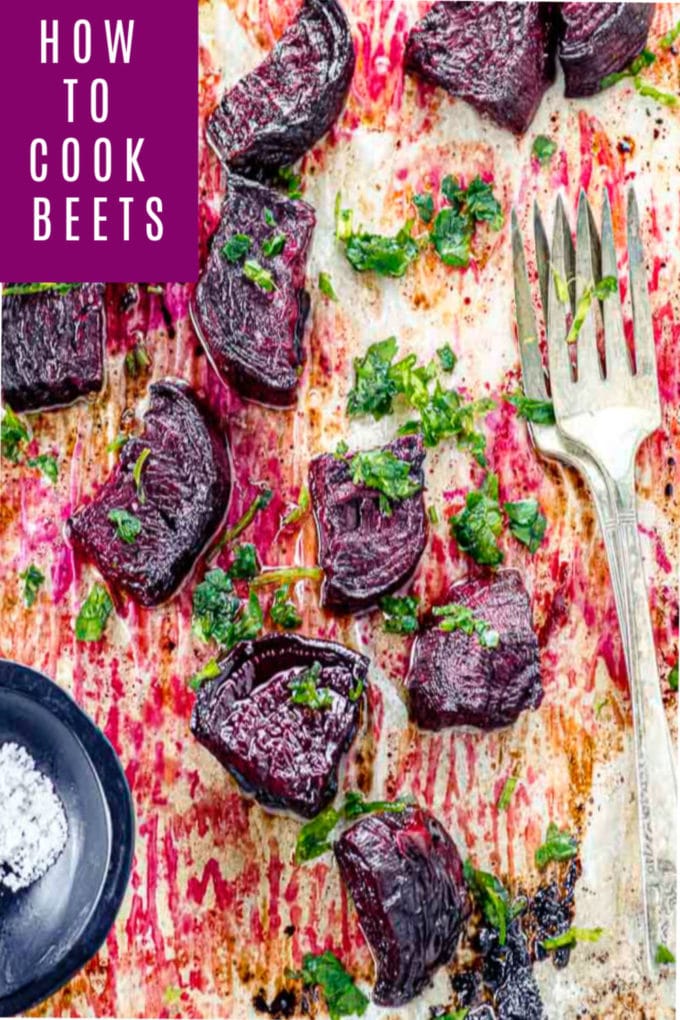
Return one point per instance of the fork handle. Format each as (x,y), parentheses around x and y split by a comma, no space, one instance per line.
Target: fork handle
(654,758)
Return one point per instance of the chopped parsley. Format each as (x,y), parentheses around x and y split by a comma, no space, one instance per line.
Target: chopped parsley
(540,412)
(643,60)
(454,225)
(304,690)
(137,473)
(509,785)
(451,237)
(236,247)
(571,937)
(558,846)
(298,511)
(13,434)
(447,359)
(326,287)
(117,443)
(455,616)
(425,205)
(493,899)
(383,471)
(400,613)
(273,245)
(127,525)
(374,387)
(673,677)
(355,805)
(260,502)
(93,615)
(543,149)
(209,672)
(220,615)
(286,575)
(268,217)
(258,275)
(33,581)
(433,514)
(667,40)
(245,565)
(527,523)
(600,290)
(47,465)
(644,89)
(283,611)
(477,527)
(342,996)
(387,256)
(39,288)
(291,181)
(313,838)
(664,955)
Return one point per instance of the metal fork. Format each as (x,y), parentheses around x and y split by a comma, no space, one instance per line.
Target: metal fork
(601,421)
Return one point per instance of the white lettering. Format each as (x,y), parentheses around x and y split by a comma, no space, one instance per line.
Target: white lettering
(49,40)
(131,155)
(126,201)
(38,173)
(82,41)
(99,218)
(70,84)
(42,228)
(71,219)
(70,159)
(115,40)
(99,110)
(102,159)
(154,205)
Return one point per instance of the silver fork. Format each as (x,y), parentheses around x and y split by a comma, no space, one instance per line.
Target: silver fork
(607,417)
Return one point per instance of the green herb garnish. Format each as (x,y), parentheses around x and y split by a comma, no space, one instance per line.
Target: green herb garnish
(39,288)
(127,525)
(326,287)
(454,226)
(261,502)
(209,672)
(387,256)
(236,247)
(540,412)
(291,181)
(273,245)
(93,615)
(304,690)
(137,473)
(664,955)
(313,839)
(506,793)
(571,937)
(451,237)
(527,523)
(543,149)
(245,565)
(455,616)
(383,471)
(558,846)
(493,899)
(283,611)
(33,580)
(673,677)
(137,360)
(47,465)
(220,615)
(286,575)
(481,205)
(117,443)
(447,358)
(600,290)
(645,59)
(13,434)
(400,613)
(268,217)
(343,998)
(298,511)
(667,40)
(477,527)
(644,89)
(258,275)
(433,514)
(425,205)
(374,388)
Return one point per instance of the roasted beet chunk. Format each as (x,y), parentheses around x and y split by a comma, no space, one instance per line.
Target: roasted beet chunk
(279,717)
(600,39)
(253,330)
(406,879)
(163,502)
(277,112)
(52,346)
(364,551)
(496,56)
(455,679)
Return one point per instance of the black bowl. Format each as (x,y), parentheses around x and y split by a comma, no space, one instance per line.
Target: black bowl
(50,930)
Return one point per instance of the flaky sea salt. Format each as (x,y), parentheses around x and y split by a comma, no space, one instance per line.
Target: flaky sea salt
(33,827)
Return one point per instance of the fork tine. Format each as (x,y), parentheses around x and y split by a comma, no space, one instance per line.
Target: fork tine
(542,257)
(569,258)
(588,359)
(558,352)
(645,357)
(533,376)
(617,357)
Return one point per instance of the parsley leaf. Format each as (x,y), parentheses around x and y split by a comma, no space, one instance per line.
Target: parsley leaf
(47,465)
(571,937)
(248,623)
(39,288)
(509,785)
(260,502)
(93,615)
(540,412)
(454,226)
(214,607)
(117,443)
(667,40)
(268,217)
(374,389)
(600,290)
(558,846)
(274,245)
(326,287)
(644,89)
(33,580)
(493,899)
(208,672)
(400,613)
(477,527)
(343,998)
(304,690)
(482,205)
(382,470)
(137,473)
(527,523)
(283,611)
(455,616)
(643,60)
(236,247)
(127,525)
(292,182)
(664,955)
(425,205)
(312,840)
(387,256)
(13,434)
(543,149)
(298,511)
(245,565)
(447,358)
(673,677)
(355,805)
(258,275)
(452,236)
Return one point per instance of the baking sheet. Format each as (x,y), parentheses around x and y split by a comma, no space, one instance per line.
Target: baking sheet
(206,922)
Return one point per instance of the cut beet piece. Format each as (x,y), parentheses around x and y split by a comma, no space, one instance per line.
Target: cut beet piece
(52,346)
(283,753)
(600,39)
(179,500)
(254,337)
(406,879)
(277,112)
(496,56)
(453,680)
(365,553)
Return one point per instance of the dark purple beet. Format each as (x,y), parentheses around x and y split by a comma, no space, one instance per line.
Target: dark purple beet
(254,338)
(365,553)
(496,56)
(600,39)
(185,487)
(52,347)
(405,877)
(285,754)
(454,681)
(277,112)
